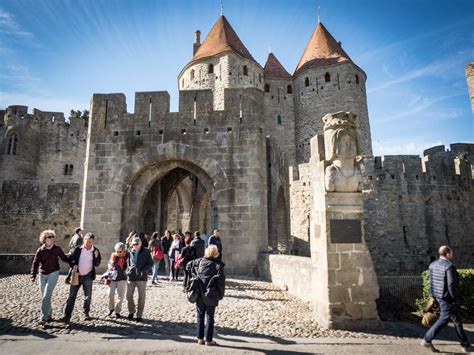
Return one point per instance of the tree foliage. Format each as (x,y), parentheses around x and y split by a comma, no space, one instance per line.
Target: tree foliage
(80,114)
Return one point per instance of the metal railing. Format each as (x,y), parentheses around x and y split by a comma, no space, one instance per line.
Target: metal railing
(399,293)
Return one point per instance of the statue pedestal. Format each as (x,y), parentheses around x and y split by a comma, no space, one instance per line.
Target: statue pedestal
(344,280)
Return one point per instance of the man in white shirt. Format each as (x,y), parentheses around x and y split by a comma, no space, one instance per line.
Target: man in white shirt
(85,259)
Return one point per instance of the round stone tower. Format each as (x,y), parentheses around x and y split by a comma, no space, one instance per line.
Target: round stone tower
(220,62)
(326,80)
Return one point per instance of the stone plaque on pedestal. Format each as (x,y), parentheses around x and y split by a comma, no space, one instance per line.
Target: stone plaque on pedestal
(345,231)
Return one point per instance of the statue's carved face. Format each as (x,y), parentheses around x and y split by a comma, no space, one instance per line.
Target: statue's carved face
(345,145)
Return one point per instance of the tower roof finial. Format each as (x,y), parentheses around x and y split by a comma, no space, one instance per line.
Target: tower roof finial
(270,48)
(222,7)
(319,14)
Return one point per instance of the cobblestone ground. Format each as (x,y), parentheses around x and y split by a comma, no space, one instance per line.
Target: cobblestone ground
(250,308)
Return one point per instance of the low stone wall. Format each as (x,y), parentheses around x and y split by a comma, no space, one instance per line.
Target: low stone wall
(21,264)
(290,273)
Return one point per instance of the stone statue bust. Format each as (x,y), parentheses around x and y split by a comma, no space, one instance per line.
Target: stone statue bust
(343,151)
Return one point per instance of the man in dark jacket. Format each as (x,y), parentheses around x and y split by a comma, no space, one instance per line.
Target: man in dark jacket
(199,245)
(139,264)
(85,258)
(215,239)
(443,284)
(76,240)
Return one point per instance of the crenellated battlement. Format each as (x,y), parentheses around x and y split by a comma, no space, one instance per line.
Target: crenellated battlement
(437,168)
(243,109)
(18,116)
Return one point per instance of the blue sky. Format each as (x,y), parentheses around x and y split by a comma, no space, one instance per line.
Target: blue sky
(55,54)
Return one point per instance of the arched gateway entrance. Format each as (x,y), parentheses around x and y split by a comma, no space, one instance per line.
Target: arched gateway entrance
(172,194)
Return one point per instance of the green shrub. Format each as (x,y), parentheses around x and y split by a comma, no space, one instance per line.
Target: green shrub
(465,292)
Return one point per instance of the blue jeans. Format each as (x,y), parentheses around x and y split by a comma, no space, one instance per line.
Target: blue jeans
(47,284)
(448,311)
(86,283)
(156,266)
(208,311)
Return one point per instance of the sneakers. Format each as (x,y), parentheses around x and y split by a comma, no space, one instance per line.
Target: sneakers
(117,315)
(201,342)
(87,316)
(139,319)
(427,345)
(154,283)
(466,349)
(130,316)
(211,343)
(110,313)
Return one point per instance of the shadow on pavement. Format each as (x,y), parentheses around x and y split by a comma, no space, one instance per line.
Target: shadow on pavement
(6,327)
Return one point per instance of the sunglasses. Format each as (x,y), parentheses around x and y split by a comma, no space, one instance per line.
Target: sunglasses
(50,237)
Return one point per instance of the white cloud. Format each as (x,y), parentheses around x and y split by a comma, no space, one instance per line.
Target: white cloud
(402,147)
(396,47)
(9,26)
(434,69)
(418,104)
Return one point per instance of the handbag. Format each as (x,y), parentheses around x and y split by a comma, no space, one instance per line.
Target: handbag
(157,253)
(431,313)
(429,318)
(75,276)
(178,263)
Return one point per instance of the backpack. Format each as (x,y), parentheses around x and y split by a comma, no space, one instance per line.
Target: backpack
(193,288)
(157,253)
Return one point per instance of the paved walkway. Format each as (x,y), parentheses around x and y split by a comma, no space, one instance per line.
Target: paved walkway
(254,317)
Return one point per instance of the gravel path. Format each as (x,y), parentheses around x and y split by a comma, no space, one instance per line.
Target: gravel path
(251,308)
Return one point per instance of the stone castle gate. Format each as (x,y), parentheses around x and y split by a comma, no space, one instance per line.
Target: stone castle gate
(196,169)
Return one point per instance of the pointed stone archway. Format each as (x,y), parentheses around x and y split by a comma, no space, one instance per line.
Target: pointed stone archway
(171,194)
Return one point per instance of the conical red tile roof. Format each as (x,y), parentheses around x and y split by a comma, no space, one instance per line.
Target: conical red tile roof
(274,69)
(322,49)
(222,38)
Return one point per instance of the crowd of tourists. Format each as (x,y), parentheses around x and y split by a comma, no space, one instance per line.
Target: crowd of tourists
(200,263)
(197,259)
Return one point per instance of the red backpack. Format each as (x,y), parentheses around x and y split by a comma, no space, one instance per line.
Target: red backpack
(157,253)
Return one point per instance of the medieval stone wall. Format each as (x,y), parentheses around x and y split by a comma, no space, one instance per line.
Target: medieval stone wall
(36,191)
(415,206)
(24,213)
(300,207)
(344,92)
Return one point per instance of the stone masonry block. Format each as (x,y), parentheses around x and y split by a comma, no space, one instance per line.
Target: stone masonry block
(334,260)
(347,277)
(364,293)
(339,294)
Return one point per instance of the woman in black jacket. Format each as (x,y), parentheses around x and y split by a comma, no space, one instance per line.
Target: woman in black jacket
(211,274)
(188,253)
